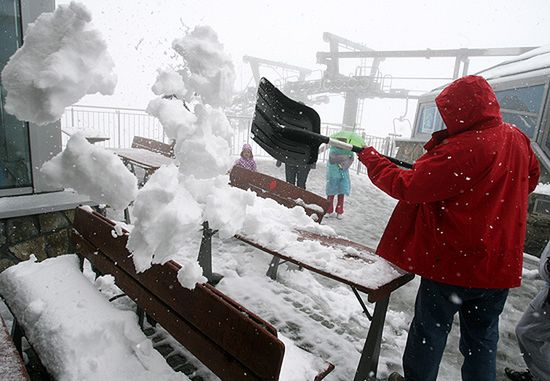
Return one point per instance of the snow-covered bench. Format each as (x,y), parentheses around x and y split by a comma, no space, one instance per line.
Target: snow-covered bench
(75,331)
(164,149)
(284,193)
(147,154)
(231,341)
(336,258)
(11,365)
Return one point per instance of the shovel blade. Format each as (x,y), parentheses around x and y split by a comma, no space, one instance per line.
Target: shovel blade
(273,112)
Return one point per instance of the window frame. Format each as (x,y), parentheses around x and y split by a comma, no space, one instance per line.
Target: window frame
(526,83)
(44,141)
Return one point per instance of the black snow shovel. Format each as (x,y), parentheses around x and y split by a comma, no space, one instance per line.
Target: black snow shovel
(290,131)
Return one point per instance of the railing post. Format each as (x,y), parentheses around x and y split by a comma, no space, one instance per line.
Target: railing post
(72,117)
(118,127)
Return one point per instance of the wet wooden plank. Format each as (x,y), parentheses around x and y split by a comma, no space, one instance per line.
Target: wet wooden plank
(11,364)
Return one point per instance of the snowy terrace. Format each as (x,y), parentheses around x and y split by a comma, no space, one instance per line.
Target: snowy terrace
(323,316)
(314,313)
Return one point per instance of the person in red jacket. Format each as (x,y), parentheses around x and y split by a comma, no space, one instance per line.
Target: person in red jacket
(460,224)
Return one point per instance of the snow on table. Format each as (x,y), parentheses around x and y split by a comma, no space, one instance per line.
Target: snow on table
(77,333)
(332,256)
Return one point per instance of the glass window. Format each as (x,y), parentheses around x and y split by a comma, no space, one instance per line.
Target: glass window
(521,107)
(430,120)
(15,169)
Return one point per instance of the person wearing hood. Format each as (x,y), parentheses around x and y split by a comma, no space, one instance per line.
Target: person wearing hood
(460,224)
(247,158)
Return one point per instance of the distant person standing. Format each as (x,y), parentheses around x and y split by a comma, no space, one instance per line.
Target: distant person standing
(247,159)
(296,174)
(338,183)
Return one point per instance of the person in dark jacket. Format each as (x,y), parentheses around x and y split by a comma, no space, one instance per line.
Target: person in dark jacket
(460,224)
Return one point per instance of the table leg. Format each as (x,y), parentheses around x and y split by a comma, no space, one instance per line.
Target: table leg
(273,266)
(205,255)
(17,336)
(368,364)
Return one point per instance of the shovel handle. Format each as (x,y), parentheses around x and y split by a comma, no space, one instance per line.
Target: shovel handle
(351,147)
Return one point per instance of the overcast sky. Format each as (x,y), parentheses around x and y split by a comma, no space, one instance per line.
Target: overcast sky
(140,32)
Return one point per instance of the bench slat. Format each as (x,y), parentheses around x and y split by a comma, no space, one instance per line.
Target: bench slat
(207,311)
(153,145)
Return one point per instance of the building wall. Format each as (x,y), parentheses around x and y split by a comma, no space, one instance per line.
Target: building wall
(44,235)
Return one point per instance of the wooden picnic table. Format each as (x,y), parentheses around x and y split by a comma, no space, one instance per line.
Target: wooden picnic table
(349,263)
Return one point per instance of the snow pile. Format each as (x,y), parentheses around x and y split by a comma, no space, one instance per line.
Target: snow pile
(169,209)
(78,333)
(167,213)
(92,171)
(299,365)
(210,71)
(62,59)
(166,218)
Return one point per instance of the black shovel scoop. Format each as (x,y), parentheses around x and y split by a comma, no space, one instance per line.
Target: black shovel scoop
(290,131)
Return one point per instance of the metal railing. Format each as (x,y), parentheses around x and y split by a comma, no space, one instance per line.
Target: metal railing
(119,126)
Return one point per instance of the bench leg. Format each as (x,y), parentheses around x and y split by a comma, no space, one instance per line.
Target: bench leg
(141,317)
(368,364)
(127,218)
(273,267)
(205,255)
(17,336)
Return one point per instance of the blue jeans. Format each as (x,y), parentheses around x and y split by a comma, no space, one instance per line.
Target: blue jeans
(436,305)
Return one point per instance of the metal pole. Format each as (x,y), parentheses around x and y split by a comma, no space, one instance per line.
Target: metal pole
(118,128)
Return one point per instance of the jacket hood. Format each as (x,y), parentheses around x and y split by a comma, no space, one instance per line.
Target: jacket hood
(469,103)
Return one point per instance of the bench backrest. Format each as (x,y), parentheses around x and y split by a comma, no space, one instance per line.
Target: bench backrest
(231,341)
(154,146)
(284,193)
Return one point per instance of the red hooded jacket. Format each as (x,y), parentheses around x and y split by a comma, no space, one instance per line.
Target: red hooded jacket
(461,216)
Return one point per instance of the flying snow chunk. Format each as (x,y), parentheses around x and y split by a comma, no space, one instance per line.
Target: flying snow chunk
(92,171)
(169,82)
(177,122)
(212,73)
(62,59)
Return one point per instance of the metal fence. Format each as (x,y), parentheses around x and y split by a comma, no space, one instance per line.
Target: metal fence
(118,126)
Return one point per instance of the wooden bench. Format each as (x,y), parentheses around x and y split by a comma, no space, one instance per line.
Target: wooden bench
(164,149)
(349,256)
(284,193)
(233,342)
(147,154)
(11,364)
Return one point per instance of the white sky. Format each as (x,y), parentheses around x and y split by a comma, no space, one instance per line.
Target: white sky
(140,32)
